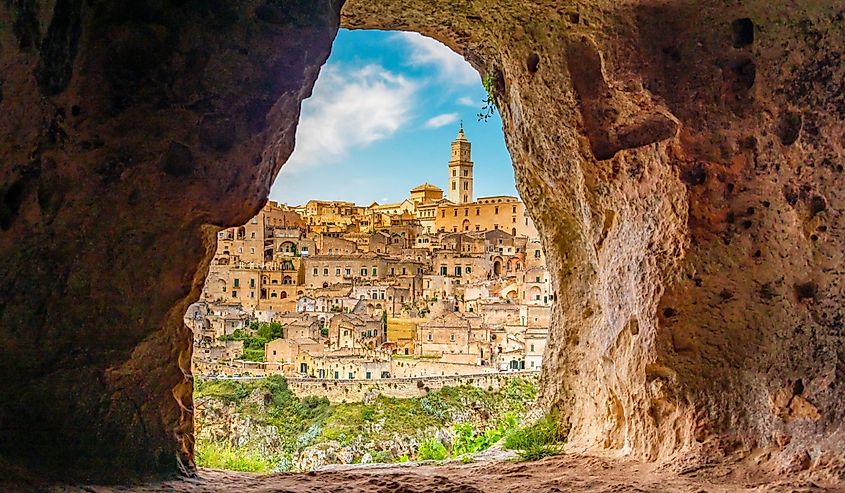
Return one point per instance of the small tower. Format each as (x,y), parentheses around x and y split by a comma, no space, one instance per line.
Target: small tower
(460,170)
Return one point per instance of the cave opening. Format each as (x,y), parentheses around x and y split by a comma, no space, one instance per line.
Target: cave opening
(356,295)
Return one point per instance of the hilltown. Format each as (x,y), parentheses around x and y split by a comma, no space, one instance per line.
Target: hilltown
(431,286)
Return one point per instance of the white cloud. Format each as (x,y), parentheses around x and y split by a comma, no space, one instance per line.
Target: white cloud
(350,108)
(441,120)
(467,101)
(450,65)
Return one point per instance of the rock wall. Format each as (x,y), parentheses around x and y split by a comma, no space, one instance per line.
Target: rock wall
(684,164)
(402,388)
(682,160)
(131,132)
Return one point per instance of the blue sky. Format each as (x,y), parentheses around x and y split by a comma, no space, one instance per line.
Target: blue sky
(383,113)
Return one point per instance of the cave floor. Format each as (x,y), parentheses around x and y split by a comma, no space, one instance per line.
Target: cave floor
(567,473)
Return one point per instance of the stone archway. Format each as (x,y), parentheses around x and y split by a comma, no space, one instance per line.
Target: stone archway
(681,166)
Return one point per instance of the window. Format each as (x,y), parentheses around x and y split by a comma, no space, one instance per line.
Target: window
(234,294)
(537,279)
(456,212)
(252,283)
(514,219)
(469,269)
(452,337)
(347,272)
(403,271)
(237,282)
(429,336)
(537,254)
(253,235)
(325,271)
(240,250)
(458,270)
(532,348)
(466,212)
(466,199)
(496,210)
(454,186)
(364,271)
(454,172)
(537,297)
(466,185)
(350,375)
(375,271)
(495,226)
(316,271)
(336,375)
(369,375)
(442,213)
(442,270)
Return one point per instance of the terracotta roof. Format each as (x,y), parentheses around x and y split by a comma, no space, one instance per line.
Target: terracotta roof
(426,186)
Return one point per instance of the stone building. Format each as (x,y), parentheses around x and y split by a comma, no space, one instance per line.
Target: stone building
(287,350)
(462,337)
(327,270)
(351,331)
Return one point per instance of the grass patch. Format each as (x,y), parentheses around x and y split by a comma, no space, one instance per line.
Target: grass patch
(223,456)
(538,440)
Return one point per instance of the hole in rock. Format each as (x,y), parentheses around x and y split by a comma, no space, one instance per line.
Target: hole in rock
(806,290)
(533,62)
(743,32)
(789,128)
(393,274)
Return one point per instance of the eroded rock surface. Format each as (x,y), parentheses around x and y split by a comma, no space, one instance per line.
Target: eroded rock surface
(682,160)
(684,164)
(129,131)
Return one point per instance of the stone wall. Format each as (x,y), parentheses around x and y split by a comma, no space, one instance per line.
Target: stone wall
(403,388)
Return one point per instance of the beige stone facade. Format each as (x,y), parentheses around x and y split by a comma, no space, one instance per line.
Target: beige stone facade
(468,275)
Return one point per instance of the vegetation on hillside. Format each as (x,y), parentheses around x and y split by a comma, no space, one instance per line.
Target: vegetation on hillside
(450,422)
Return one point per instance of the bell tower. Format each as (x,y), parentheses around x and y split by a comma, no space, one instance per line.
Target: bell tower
(460,170)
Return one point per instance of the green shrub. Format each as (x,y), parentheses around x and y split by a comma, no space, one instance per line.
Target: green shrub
(251,354)
(538,440)
(432,450)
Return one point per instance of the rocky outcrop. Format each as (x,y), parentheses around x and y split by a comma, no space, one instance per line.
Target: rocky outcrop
(682,160)
(131,131)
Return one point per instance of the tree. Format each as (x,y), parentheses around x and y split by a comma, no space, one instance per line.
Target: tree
(270,331)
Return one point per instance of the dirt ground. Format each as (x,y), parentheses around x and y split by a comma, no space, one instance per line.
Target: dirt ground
(567,473)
